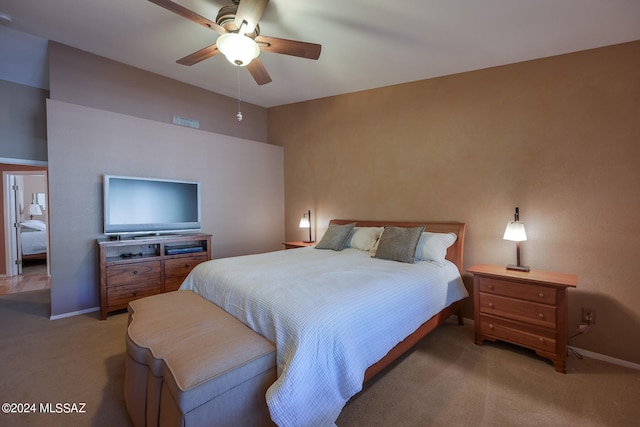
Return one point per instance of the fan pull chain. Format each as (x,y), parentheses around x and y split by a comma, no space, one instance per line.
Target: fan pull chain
(239,115)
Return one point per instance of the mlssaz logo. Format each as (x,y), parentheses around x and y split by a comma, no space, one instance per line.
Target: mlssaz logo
(63,408)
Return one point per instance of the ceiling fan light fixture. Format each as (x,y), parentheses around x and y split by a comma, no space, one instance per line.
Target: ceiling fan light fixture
(240,50)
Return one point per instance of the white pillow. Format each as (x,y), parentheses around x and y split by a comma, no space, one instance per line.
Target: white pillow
(35,224)
(433,246)
(364,238)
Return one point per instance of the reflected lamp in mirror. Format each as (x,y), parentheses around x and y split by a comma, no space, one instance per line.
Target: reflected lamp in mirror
(515,232)
(34,209)
(305,222)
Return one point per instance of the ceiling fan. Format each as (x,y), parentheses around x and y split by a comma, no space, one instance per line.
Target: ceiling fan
(240,40)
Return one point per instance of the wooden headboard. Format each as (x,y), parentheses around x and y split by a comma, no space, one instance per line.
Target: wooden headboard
(455,253)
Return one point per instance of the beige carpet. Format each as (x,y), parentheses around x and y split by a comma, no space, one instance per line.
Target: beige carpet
(73,360)
(445,381)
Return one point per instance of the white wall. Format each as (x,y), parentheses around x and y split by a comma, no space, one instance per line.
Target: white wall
(243,188)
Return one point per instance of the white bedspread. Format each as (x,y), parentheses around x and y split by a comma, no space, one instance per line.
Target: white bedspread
(33,241)
(330,314)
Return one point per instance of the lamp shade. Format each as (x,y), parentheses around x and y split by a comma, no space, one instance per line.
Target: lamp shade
(240,50)
(515,231)
(305,222)
(34,209)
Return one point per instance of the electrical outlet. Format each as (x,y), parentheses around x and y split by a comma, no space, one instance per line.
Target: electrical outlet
(588,316)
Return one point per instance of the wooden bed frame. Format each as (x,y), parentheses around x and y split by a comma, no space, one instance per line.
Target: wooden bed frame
(455,254)
(33,257)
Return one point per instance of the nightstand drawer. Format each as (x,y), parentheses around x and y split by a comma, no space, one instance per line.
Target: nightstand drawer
(524,311)
(542,294)
(518,334)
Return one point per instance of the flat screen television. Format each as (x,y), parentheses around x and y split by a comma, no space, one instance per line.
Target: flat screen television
(134,205)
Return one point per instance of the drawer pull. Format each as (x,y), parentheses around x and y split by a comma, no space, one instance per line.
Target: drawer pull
(135,293)
(490,287)
(541,316)
(186,266)
(541,339)
(490,305)
(135,272)
(541,295)
(490,325)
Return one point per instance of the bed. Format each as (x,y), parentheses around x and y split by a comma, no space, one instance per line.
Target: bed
(337,317)
(33,239)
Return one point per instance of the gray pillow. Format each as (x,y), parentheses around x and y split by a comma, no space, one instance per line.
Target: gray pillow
(399,243)
(336,236)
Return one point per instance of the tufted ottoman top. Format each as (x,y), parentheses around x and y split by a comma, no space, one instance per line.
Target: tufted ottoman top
(200,350)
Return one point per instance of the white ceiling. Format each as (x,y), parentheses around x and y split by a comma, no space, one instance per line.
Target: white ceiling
(365,43)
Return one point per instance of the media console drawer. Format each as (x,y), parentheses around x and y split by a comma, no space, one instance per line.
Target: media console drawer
(140,267)
(176,270)
(121,295)
(121,274)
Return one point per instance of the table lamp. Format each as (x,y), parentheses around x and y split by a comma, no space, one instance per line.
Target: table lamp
(515,232)
(305,222)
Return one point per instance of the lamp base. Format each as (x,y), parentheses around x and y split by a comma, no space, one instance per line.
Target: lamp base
(524,268)
(308,241)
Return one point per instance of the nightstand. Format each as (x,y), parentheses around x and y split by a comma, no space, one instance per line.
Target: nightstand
(524,308)
(297,244)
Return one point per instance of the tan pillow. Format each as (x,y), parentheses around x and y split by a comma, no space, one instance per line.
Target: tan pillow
(364,238)
(336,236)
(399,243)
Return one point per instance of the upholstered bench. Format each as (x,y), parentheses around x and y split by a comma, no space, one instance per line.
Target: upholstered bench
(189,363)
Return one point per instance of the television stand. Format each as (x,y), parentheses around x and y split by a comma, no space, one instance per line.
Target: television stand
(147,265)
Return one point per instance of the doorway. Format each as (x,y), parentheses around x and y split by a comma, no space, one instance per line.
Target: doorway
(26,231)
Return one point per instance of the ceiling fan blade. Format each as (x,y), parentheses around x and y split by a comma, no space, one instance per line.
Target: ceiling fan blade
(289,47)
(200,55)
(250,12)
(259,73)
(190,15)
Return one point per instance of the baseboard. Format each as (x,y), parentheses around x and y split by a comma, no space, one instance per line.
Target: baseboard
(605,358)
(583,352)
(590,354)
(74,313)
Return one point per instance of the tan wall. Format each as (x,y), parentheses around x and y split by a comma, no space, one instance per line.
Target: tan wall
(82,78)
(558,137)
(23,123)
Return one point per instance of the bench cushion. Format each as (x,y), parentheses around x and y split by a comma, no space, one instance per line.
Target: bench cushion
(195,352)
